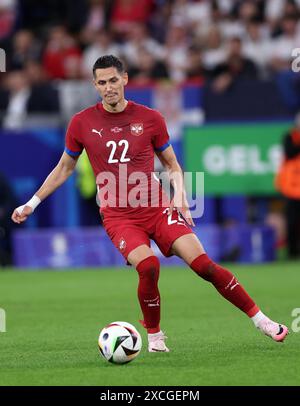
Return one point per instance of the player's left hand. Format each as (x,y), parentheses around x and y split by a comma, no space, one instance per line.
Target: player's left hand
(186,214)
(181,204)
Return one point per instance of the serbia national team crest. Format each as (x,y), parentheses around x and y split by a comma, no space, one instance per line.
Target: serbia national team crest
(122,244)
(136,129)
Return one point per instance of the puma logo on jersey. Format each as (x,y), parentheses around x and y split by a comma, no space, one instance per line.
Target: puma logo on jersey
(97,132)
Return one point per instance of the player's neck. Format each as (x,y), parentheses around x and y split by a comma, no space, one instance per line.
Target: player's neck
(118,108)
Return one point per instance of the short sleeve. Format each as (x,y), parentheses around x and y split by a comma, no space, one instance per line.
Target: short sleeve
(161,138)
(73,145)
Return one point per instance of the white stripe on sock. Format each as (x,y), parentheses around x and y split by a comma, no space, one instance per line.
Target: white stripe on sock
(258,318)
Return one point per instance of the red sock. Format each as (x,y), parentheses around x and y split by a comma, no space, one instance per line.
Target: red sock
(148,293)
(225,283)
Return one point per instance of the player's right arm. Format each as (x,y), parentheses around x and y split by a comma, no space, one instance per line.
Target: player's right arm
(56,178)
(64,168)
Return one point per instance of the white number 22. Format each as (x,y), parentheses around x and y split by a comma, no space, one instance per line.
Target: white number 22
(113,144)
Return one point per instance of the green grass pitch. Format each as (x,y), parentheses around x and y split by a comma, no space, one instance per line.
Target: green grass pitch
(54,318)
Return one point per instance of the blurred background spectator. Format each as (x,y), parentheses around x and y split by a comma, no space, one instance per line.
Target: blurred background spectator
(62,55)
(101,43)
(288,182)
(125,13)
(24,47)
(8,17)
(26,93)
(138,38)
(235,67)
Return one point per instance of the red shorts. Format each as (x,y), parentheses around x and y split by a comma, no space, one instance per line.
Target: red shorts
(153,223)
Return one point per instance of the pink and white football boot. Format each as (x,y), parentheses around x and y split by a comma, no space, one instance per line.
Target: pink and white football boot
(157,342)
(276,331)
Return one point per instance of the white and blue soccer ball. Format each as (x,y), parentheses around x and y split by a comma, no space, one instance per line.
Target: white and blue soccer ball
(119,342)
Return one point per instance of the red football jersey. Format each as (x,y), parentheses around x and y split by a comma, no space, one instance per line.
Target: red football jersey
(121,147)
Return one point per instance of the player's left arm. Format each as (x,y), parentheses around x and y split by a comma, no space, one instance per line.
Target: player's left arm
(168,159)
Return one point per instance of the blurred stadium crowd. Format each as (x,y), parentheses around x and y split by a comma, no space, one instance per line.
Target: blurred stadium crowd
(50,43)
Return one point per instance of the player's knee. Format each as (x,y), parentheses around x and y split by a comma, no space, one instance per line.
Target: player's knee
(149,269)
(204,267)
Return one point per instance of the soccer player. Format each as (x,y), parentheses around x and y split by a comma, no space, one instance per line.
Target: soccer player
(121,138)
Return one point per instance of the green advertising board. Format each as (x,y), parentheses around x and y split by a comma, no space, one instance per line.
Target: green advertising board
(235,159)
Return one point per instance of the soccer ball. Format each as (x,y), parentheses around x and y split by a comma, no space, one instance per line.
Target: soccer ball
(119,342)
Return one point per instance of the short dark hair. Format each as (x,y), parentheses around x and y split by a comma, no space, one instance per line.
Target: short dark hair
(108,61)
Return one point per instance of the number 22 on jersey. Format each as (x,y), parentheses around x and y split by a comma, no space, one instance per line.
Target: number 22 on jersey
(114,145)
